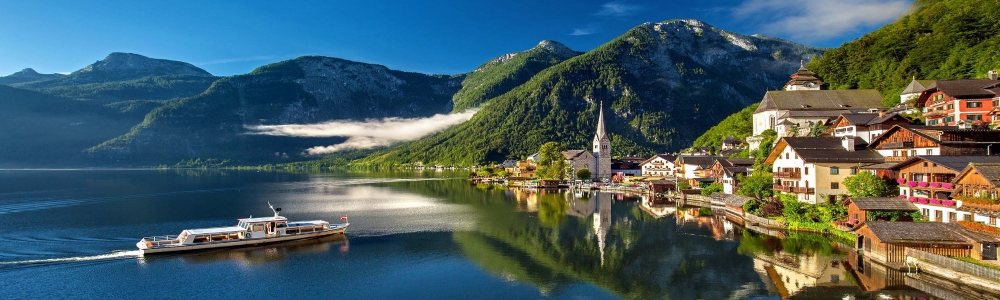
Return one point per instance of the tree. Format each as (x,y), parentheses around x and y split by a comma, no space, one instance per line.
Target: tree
(712,188)
(486,171)
(759,185)
(866,185)
(683,185)
(502,173)
(583,174)
(551,162)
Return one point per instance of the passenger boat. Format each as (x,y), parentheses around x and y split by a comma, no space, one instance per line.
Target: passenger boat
(249,231)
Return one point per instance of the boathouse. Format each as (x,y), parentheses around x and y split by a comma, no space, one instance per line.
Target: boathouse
(858,208)
(886,242)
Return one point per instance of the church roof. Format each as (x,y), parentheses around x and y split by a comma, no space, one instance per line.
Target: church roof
(802,76)
(571,154)
(601,133)
(821,100)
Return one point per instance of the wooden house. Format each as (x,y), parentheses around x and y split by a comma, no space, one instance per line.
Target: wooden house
(694,166)
(926,180)
(901,142)
(726,170)
(978,186)
(858,208)
(661,186)
(886,242)
(866,126)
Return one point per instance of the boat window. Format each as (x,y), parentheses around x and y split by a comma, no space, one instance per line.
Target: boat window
(291,230)
(201,238)
(282,224)
(258,227)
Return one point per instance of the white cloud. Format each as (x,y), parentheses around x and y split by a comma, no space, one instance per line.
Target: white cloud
(367,134)
(818,20)
(618,9)
(590,29)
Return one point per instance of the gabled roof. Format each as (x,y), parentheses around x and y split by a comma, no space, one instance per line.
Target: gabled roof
(825,150)
(955,163)
(917,232)
(883,204)
(934,134)
(700,160)
(803,75)
(821,100)
(989,170)
(965,88)
(572,154)
(917,86)
(668,157)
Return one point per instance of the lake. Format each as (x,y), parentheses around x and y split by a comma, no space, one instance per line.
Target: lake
(423,235)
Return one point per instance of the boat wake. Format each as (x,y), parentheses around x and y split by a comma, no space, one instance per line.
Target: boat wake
(120,254)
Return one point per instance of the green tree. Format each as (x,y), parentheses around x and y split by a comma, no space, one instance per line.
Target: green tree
(583,174)
(759,185)
(712,188)
(683,185)
(865,185)
(502,173)
(486,171)
(552,164)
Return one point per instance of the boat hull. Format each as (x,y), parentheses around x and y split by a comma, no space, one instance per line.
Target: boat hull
(244,242)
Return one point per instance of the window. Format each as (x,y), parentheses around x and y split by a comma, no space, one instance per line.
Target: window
(806,169)
(930,152)
(952,217)
(834,171)
(996,103)
(786,155)
(974,117)
(937,215)
(993,221)
(913,152)
(951,106)
(925,164)
(974,104)
(854,170)
(835,185)
(967,217)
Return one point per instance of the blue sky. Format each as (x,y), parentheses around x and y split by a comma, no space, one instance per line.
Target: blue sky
(442,37)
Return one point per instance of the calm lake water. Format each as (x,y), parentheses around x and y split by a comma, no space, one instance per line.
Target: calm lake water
(417,235)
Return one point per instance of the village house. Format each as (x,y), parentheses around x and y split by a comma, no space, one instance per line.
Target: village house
(886,242)
(901,142)
(858,208)
(926,180)
(978,188)
(913,90)
(949,101)
(866,126)
(694,166)
(726,170)
(626,167)
(803,104)
(523,169)
(660,165)
(814,168)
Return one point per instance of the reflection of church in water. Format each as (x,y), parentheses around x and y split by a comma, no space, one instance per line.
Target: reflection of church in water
(598,207)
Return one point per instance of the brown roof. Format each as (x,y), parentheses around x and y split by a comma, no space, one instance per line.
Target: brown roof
(917,232)
(830,149)
(966,88)
(884,204)
(700,160)
(955,163)
(571,154)
(990,171)
(821,100)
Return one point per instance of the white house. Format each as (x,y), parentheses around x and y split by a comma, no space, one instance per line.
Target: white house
(814,168)
(660,165)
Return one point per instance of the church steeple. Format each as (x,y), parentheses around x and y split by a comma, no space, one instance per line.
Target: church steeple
(602,149)
(600,134)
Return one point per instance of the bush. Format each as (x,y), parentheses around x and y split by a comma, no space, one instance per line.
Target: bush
(712,188)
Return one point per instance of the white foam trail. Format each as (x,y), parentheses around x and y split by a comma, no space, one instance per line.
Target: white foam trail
(112,255)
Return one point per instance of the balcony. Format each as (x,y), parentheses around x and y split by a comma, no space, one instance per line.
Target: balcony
(802,190)
(788,175)
(936,113)
(980,206)
(896,158)
(782,188)
(897,145)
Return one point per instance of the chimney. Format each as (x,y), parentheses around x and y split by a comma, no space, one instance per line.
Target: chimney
(992,74)
(848,142)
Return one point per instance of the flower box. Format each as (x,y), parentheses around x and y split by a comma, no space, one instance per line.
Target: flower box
(936,201)
(902,196)
(947,203)
(947,186)
(900,180)
(911,184)
(935,184)
(922,184)
(922,201)
(912,199)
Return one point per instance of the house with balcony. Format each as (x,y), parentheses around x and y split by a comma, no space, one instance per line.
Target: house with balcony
(814,168)
(948,102)
(977,188)
(694,166)
(660,165)
(726,170)
(901,142)
(926,181)
(866,126)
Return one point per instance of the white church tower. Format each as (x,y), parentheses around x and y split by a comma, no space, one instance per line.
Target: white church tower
(602,149)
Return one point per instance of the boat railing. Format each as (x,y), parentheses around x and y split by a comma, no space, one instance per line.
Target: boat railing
(162,240)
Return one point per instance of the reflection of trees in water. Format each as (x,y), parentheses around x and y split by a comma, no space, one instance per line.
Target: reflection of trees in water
(644,257)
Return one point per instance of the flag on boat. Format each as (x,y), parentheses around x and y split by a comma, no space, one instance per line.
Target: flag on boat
(344,217)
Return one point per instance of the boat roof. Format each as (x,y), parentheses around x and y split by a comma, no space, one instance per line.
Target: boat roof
(214,230)
(314,222)
(264,219)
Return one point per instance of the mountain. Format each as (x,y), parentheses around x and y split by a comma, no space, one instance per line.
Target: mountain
(661,84)
(501,74)
(738,125)
(26,76)
(41,130)
(308,89)
(938,39)
(126,76)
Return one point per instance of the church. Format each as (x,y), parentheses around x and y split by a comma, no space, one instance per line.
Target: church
(598,161)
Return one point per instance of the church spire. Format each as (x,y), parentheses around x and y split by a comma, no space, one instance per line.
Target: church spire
(600,124)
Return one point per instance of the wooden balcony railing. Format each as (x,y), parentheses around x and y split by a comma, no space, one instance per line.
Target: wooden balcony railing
(896,158)
(966,205)
(788,175)
(782,188)
(897,145)
(802,190)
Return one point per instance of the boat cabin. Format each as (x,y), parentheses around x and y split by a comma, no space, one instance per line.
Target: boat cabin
(263,227)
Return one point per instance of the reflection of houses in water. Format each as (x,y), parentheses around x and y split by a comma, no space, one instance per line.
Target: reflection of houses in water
(527,199)
(657,207)
(580,206)
(790,273)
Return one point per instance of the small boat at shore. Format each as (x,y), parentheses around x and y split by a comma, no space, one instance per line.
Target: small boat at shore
(249,231)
